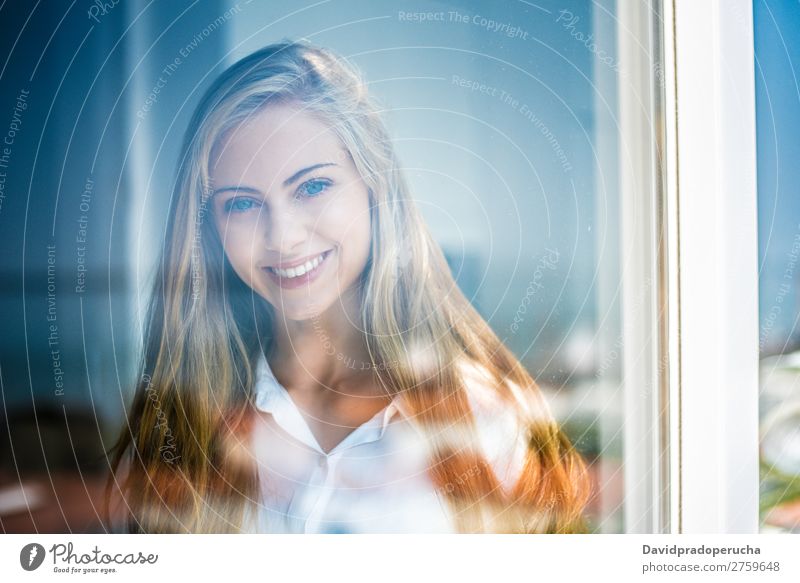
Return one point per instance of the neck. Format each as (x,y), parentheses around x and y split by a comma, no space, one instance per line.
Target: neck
(326,351)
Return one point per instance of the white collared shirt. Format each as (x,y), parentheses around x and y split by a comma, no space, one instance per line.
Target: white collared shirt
(374,481)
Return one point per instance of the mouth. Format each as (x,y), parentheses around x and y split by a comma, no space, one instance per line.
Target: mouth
(301,274)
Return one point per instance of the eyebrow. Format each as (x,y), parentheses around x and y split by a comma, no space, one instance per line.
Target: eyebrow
(288,182)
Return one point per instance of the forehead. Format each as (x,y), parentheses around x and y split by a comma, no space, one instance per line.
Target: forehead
(272,145)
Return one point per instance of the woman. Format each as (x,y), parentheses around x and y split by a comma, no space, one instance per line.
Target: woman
(310,364)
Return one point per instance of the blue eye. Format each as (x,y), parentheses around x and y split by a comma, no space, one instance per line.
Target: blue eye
(313,187)
(239,204)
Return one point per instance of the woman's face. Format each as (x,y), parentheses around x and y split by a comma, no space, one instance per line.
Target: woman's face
(291,210)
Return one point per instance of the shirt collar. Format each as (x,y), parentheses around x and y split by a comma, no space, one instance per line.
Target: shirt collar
(272,397)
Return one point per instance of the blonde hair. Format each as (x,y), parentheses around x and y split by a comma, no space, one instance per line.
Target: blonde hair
(206,328)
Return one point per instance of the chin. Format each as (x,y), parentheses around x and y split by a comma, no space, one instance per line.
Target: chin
(299,311)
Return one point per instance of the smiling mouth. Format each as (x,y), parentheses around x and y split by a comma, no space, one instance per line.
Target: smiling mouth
(299,271)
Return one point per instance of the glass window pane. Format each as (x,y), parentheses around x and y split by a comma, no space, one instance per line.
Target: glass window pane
(777,52)
(492,209)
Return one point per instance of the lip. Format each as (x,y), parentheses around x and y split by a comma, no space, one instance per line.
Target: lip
(305,279)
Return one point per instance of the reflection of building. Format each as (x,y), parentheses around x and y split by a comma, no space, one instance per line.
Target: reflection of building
(51,472)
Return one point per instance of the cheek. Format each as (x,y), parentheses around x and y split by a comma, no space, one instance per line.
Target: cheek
(239,250)
(348,221)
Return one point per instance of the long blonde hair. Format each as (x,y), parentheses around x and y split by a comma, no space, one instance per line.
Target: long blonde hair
(206,328)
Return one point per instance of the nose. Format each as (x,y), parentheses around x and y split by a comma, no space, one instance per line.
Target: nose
(284,230)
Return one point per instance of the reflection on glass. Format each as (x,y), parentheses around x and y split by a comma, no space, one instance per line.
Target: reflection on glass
(301,304)
(777,54)
(464,261)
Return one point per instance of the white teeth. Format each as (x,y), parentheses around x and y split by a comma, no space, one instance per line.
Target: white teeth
(299,270)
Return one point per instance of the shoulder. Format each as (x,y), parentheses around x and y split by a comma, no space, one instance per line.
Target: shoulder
(500,423)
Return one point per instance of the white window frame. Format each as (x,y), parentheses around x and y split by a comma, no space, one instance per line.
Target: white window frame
(687,176)
(713,265)
(640,106)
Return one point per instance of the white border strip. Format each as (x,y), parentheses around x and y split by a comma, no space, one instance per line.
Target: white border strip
(398,558)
